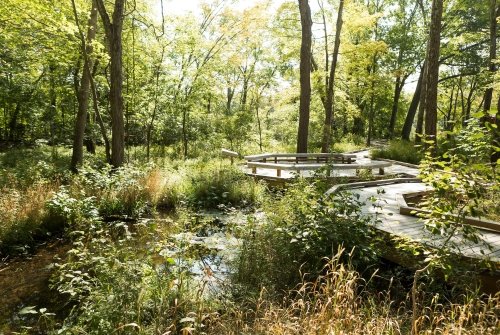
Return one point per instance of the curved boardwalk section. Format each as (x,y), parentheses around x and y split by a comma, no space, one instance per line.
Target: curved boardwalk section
(385,211)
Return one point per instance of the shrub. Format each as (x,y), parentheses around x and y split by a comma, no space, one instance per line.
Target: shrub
(302,228)
(209,186)
(398,150)
(349,143)
(128,191)
(119,281)
(339,302)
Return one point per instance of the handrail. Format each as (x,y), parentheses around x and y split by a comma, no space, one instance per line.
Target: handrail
(328,167)
(300,155)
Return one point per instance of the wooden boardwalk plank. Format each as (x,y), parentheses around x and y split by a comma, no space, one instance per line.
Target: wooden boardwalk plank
(394,223)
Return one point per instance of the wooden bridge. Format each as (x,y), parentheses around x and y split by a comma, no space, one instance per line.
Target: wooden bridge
(392,215)
(265,164)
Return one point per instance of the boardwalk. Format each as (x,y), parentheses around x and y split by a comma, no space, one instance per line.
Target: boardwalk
(386,217)
(361,158)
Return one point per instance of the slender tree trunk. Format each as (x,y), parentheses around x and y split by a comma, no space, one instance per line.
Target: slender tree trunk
(113,31)
(419,130)
(488,94)
(327,127)
(495,156)
(468,103)
(184,132)
(305,75)
(412,110)
(398,87)
(13,123)
(259,125)
(433,72)
(52,112)
(371,117)
(155,106)
(84,87)
(229,101)
(95,99)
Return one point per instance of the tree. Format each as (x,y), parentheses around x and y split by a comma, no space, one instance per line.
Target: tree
(488,94)
(432,73)
(113,30)
(412,110)
(305,75)
(84,87)
(330,81)
(407,51)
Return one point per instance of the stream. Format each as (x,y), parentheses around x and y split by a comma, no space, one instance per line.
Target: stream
(204,249)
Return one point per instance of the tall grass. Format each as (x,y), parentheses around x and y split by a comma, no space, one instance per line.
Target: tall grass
(398,150)
(210,185)
(24,217)
(340,302)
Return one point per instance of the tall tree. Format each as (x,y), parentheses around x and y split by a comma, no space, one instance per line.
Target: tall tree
(432,72)
(488,94)
(327,126)
(113,29)
(305,75)
(412,110)
(84,87)
(407,50)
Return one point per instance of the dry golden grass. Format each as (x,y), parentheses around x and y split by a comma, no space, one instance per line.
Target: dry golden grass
(22,212)
(154,184)
(337,303)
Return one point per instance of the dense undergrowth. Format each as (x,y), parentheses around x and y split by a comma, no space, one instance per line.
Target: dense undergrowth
(399,150)
(307,264)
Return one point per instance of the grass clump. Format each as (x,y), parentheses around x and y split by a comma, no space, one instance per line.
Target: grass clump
(302,228)
(210,185)
(129,191)
(399,150)
(349,143)
(24,217)
(341,301)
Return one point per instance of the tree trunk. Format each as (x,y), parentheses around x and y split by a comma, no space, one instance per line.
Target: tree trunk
(13,129)
(95,99)
(419,130)
(259,125)
(184,132)
(412,110)
(433,72)
(155,106)
(113,31)
(52,112)
(229,101)
(84,87)
(397,93)
(371,117)
(327,127)
(305,75)
(488,94)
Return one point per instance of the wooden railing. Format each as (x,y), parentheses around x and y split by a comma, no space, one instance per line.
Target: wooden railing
(302,157)
(310,161)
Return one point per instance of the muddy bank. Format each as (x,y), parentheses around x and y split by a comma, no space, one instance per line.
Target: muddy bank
(24,282)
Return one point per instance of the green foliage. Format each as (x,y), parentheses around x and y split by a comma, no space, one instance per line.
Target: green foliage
(129,191)
(23,167)
(461,180)
(302,228)
(210,185)
(120,284)
(349,143)
(399,150)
